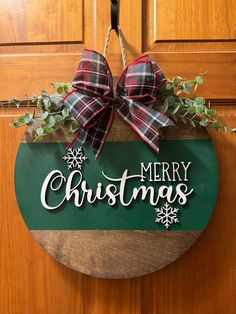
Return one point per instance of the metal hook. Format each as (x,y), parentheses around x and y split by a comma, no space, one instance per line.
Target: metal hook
(115,15)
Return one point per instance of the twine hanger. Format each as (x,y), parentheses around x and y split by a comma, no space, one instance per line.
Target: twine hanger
(116,27)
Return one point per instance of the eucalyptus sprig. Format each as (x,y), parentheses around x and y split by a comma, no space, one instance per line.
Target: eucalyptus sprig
(176,100)
(175,103)
(53,115)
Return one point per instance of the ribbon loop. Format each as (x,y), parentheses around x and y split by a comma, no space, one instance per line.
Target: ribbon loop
(93,75)
(141,80)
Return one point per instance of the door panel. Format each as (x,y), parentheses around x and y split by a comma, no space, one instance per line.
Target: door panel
(203,24)
(194,37)
(45,21)
(194,20)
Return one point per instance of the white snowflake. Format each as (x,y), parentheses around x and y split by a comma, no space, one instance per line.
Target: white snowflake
(167,215)
(75,158)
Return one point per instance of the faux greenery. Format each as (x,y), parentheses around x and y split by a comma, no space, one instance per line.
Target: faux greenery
(53,115)
(189,110)
(176,101)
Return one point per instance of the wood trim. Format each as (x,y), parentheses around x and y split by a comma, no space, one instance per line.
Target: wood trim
(35,72)
(193,40)
(64,42)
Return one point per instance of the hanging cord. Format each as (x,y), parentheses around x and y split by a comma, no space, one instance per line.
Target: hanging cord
(122,46)
(107,41)
(121,41)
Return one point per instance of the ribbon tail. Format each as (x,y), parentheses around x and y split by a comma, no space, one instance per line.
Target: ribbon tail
(94,114)
(74,139)
(97,134)
(80,136)
(143,120)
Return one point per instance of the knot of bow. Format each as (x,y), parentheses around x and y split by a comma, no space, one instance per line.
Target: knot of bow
(92,101)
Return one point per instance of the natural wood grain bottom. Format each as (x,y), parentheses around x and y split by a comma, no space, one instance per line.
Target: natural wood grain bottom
(115,253)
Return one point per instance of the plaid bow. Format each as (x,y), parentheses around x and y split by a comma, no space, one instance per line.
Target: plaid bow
(92,101)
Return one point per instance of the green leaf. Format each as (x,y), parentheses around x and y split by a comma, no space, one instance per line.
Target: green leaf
(39,131)
(16,101)
(180,90)
(69,87)
(21,119)
(16,124)
(44,94)
(66,89)
(47,129)
(199,108)
(47,103)
(204,122)
(62,88)
(199,79)
(187,88)
(210,112)
(50,121)
(30,123)
(58,117)
(60,120)
(192,109)
(200,101)
(65,112)
(27,118)
(44,115)
(73,126)
(176,81)
(56,84)
(57,100)
(175,109)
(217,125)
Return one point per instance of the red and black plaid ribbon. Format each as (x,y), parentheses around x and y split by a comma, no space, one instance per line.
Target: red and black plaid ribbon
(92,101)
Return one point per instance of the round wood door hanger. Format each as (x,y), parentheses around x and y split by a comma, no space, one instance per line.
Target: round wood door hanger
(129,213)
